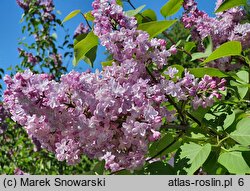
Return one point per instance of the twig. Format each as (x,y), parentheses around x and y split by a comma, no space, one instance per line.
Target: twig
(168,37)
(165,148)
(193,118)
(86,21)
(179,127)
(131,4)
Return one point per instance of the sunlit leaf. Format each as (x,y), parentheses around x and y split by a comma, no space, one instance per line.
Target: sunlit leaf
(234,162)
(171,7)
(242,132)
(84,46)
(132,13)
(197,155)
(231,48)
(154,28)
(227,4)
(71,15)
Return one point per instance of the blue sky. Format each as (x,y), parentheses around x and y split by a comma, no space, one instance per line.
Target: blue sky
(10,32)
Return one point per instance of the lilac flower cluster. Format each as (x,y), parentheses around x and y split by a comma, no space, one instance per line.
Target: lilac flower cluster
(102,114)
(30,57)
(224,27)
(81,29)
(24,4)
(200,93)
(48,7)
(4,114)
(57,59)
(113,114)
(117,32)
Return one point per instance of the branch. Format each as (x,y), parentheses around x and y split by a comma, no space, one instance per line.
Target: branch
(131,4)
(86,21)
(165,148)
(193,118)
(179,127)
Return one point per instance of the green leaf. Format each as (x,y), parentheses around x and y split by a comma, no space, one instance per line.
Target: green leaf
(234,162)
(189,46)
(211,166)
(243,75)
(84,46)
(155,27)
(229,120)
(239,148)
(175,146)
(71,15)
(89,16)
(99,167)
(159,145)
(160,168)
(134,12)
(198,55)
(227,4)
(107,63)
(231,48)
(146,16)
(200,72)
(90,56)
(209,48)
(171,7)
(79,38)
(220,116)
(196,154)
(242,132)
(119,2)
(200,113)
(242,84)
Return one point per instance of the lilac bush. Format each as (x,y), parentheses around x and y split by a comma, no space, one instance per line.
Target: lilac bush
(113,114)
(140,110)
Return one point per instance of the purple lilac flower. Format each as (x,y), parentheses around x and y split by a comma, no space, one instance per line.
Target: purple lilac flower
(24,4)
(18,171)
(81,29)
(200,93)
(119,35)
(87,113)
(219,28)
(225,26)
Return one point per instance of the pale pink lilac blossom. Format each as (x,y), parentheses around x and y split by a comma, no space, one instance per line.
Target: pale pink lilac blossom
(113,114)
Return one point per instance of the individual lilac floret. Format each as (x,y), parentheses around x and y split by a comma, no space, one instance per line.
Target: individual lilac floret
(171,72)
(18,171)
(81,29)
